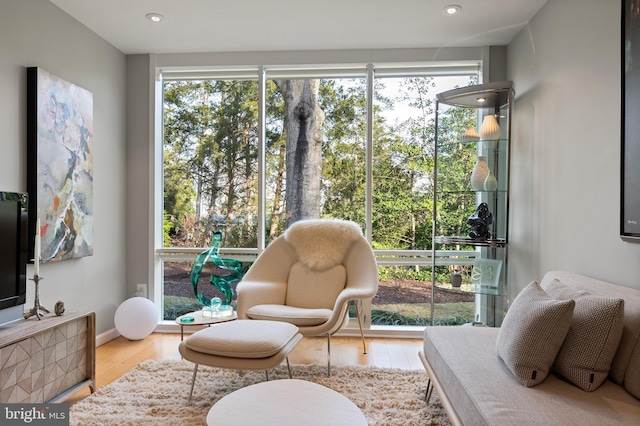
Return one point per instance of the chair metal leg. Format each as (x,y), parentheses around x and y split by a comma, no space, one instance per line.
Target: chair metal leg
(289,367)
(193,381)
(266,372)
(364,343)
(328,355)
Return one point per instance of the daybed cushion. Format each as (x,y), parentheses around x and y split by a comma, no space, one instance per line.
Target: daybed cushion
(593,338)
(532,333)
(243,339)
(484,392)
(625,368)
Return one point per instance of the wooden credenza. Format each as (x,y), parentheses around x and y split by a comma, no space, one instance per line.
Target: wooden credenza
(49,359)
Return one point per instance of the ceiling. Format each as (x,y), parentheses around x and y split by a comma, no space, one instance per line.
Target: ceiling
(259,25)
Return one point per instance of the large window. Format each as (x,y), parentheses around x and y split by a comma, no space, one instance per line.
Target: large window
(246,156)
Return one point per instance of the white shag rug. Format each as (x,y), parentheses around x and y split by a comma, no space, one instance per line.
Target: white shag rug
(156,393)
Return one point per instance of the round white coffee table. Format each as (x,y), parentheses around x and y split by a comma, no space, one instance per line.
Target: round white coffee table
(286,402)
(196,318)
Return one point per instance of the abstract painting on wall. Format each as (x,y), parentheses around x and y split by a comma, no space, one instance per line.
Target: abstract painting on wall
(59,166)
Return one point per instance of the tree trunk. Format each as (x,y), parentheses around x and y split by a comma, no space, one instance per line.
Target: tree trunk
(249,178)
(303,124)
(277,210)
(213,201)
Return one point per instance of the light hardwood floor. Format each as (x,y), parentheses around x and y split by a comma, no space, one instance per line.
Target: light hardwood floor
(120,355)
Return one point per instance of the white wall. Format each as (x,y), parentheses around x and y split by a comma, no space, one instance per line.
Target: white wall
(565,198)
(37,33)
(139,182)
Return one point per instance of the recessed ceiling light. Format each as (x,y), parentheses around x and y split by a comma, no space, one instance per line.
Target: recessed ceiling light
(481,100)
(452,9)
(154,17)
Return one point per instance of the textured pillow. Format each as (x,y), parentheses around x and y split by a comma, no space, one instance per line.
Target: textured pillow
(532,333)
(593,338)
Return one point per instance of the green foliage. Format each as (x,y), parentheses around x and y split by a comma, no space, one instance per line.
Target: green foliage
(387,273)
(168,227)
(384,317)
(211,167)
(379,317)
(403,164)
(176,306)
(210,152)
(343,150)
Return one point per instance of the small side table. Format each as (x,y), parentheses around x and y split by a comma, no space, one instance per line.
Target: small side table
(198,319)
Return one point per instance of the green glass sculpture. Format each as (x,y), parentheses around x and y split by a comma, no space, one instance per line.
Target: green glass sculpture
(228,271)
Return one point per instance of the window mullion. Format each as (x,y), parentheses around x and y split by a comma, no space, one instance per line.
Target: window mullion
(262,151)
(369,154)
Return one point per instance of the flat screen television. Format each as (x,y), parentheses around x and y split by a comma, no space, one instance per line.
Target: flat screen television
(13,254)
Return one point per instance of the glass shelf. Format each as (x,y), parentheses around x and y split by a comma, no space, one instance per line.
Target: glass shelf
(479,96)
(472,290)
(468,241)
(480,141)
(471,191)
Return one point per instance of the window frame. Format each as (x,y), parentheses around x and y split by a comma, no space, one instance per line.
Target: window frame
(261,73)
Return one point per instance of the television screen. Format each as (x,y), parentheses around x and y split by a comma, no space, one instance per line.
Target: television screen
(9,254)
(13,253)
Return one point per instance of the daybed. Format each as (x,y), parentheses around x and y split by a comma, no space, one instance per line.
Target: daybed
(477,387)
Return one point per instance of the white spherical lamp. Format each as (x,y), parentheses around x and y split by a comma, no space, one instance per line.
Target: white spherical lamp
(136,318)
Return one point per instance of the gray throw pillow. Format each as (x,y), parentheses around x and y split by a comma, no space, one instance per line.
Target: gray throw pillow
(532,333)
(593,338)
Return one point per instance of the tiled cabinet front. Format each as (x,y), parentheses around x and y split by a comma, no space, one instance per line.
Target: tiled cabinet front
(47,360)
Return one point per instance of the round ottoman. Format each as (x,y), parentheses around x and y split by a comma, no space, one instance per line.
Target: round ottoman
(286,402)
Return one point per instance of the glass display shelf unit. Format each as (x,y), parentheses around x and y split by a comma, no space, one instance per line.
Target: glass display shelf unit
(472,141)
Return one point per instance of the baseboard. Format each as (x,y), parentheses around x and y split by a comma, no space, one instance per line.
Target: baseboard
(390,331)
(393,332)
(107,336)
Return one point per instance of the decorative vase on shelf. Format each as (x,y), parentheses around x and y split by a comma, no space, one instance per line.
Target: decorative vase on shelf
(490,182)
(490,129)
(479,173)
(470,135)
